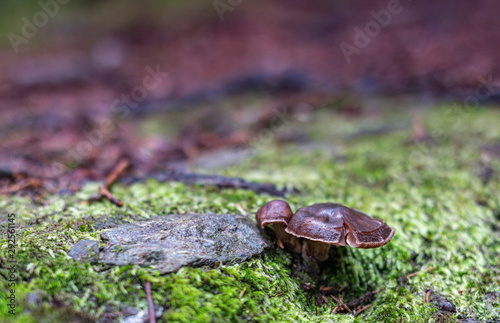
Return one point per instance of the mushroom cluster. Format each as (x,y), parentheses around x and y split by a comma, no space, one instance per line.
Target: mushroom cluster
(313,229)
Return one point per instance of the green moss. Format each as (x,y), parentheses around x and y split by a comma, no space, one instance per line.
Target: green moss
(443,215)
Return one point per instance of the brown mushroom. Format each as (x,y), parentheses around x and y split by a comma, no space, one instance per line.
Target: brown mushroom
(325,224)
(279,214)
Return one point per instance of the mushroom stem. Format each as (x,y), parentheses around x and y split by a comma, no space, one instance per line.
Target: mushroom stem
(287,240)
(315,251)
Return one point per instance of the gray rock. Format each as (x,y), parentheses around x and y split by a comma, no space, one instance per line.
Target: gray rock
(140,317)
(85,250)
(170,242)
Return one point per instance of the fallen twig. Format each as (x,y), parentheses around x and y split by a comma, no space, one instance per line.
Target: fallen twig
(110,180)
(421,271)
(365,297)
(354,305)
(214,180)
(151,305)
(23,184)
(343,287)
(116,172)
(105,193)
(341,303)
(357,312)
(327,289)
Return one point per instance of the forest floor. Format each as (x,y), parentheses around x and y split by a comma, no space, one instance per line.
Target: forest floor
(439,191)
(405,129)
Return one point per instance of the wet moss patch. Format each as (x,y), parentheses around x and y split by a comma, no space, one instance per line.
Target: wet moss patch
(444,216)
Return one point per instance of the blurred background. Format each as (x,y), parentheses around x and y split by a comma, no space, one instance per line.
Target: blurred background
(176,85)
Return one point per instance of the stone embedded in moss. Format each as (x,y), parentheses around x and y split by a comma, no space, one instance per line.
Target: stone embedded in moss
(169,242)
(85,250)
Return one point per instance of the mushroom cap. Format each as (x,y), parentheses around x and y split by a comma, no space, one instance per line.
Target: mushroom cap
(274,211)
(339,225)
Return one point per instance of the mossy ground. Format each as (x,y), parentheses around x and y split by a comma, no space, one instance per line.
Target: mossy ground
(444,217)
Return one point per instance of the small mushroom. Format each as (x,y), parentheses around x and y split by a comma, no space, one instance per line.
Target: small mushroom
(325,224)
(279,214)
